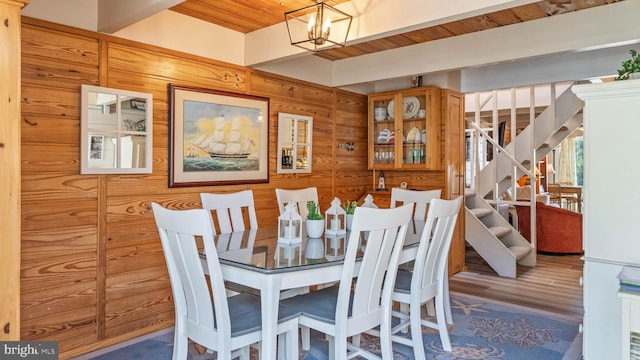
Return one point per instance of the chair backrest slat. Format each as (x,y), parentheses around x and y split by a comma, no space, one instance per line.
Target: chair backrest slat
(229,210)
(299,197)
(421,198)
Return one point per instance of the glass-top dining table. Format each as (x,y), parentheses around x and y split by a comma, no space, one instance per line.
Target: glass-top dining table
(256,259)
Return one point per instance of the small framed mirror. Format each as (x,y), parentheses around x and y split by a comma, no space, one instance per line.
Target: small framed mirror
(116,131)
(294,143)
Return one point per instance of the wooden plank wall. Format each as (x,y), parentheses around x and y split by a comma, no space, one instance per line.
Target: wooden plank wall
(92,267)
(59,207)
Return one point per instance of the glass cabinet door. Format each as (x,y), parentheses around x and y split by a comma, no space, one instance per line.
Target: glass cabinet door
(414,131)
(382,132)
(404,129)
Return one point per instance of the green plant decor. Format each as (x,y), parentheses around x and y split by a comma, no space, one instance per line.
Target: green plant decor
(349,207)
(629,66)
(314,211)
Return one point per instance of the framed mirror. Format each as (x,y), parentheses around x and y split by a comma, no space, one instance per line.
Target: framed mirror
(116,131)
(294,143)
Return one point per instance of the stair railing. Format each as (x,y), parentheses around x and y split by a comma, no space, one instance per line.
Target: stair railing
(497,150)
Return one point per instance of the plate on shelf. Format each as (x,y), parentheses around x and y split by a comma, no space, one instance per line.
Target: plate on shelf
(390,109)
(413,135)
(410,107)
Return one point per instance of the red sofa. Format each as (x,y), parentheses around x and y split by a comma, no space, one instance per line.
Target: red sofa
(558,230)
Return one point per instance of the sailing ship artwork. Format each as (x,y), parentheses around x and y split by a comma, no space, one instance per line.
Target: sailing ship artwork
(219,137)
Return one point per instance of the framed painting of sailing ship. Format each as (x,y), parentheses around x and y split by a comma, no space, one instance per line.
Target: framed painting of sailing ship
(217,138)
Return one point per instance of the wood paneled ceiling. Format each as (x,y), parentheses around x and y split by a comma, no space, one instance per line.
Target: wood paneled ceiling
(250,15)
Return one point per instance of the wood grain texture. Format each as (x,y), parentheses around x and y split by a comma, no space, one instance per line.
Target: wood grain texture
(57,186)
(52,242)
(58,300)
(38,129)
(36,216)
(242,16)
(59,74)
(59,214)
(10,322)
(139,61)
(61,46)
(49,101)
(42,272)
(454,167)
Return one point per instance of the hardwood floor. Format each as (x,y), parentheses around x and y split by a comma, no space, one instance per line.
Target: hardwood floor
(552,285)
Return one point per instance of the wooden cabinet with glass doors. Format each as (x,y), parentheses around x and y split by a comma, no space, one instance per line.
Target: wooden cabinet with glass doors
(404,129)
(443,127)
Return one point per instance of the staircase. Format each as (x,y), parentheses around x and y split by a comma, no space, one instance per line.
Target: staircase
(493,238)
(489,233)
(552,126)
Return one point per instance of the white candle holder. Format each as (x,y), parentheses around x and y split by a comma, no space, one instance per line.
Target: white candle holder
(290,225)
(335,219)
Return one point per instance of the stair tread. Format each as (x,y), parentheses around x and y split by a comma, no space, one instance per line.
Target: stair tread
(481,212)
(500,231)
(520,251)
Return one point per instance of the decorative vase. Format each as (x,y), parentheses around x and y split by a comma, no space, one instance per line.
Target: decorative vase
(314,249)
(349,221)
(315,228)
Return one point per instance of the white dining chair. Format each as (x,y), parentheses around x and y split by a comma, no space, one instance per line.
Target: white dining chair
(299,196)
(226,327)
(229,210)
(353,307)
(428,278)
(421,198)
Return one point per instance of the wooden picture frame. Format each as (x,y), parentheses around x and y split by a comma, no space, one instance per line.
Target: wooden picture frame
(217,137)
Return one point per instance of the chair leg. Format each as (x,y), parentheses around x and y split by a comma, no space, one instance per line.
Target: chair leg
(416,331)
(386,347)
(305,337)
(180,345)
(288,345)
(404,308)
(293,352)
(245,353)
(332,347)
(431,308)
(447,301)
(442,323)
(337,347)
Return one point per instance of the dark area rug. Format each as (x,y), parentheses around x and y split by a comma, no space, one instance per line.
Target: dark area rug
(483,329)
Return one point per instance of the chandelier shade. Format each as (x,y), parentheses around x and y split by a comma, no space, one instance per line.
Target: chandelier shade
(318,27)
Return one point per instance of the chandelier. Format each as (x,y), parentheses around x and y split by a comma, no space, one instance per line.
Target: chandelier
(318,27)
